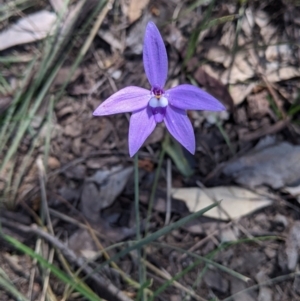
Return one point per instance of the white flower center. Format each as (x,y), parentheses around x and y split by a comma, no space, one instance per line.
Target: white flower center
(158,102)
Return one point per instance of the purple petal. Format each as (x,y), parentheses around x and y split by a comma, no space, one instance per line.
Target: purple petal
(188,97)
(180,127)
(141,125)
(155,57)
(129,99)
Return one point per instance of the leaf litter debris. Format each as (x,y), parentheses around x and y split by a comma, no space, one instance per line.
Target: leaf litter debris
(235,201)
(225,62)
(267,166)
(29,29)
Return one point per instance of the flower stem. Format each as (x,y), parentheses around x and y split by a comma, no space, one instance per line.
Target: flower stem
(137,219)
(154,188)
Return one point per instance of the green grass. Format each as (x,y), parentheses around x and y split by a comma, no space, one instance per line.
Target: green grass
(8,285)
(80,287)
(34,89)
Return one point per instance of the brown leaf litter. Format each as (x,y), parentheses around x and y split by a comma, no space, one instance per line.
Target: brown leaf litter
(90,173)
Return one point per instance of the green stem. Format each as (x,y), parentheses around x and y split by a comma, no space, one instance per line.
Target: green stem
(136,196)
(154,188)
(150,206)
(137,217)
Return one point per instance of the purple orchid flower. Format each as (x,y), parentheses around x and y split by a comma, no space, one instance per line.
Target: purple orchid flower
(151,107)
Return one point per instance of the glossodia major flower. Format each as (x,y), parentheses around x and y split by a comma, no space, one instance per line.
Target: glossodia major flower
(157,105)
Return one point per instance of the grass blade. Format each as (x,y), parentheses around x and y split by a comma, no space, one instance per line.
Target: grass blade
(10,288)
(154,236)
(77,286)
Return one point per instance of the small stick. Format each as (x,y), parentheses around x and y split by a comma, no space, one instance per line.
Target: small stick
(105,284)
(204,240)
(32,270)
(270,130)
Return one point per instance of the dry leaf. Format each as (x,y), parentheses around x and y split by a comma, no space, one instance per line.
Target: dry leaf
(134,40)
(83,244)
(239,286)
(258,104)
(100,190)
(213,72)
(248,22)
(261,18)
(176,38)
(219,54)
(216,281)
(269,34)
(228,35)
(235,201)
(240,71)
(265,293)
(109,38)
(135,9)
(32,28)
(294,191)
(276,74)
(282,53)
(240,91)
(276,166)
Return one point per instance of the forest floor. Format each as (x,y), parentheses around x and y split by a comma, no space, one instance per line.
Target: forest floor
(66,177)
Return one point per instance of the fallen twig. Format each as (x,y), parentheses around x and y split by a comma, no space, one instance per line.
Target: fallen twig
(103,283)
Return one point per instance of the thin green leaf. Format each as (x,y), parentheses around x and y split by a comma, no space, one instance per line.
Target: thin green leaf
(11,289)
(154,186)
(157,234)
(193,41)
(221,20)
(9,59)
(142,289)
(175,151)
(77,286)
